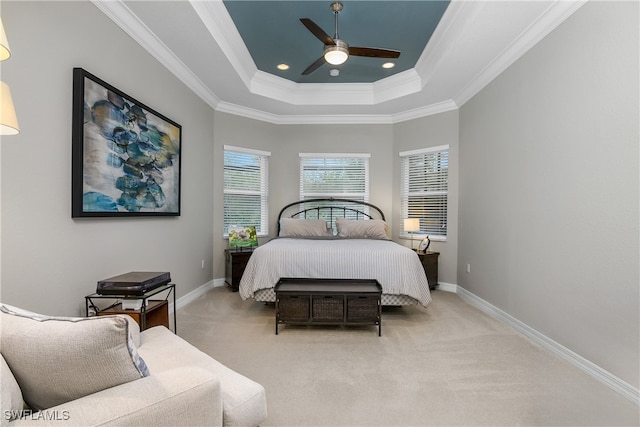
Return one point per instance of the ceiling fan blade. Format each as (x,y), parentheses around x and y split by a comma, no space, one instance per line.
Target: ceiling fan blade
(311,68)
(317,31)
(373,52)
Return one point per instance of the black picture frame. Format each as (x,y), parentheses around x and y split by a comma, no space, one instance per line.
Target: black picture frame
(126,157)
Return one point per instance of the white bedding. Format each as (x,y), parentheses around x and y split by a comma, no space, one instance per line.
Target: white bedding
(397,268)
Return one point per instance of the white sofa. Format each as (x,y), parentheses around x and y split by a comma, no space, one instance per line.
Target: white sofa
(102,371)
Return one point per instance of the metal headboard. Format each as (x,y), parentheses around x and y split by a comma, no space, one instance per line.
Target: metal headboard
(334,207)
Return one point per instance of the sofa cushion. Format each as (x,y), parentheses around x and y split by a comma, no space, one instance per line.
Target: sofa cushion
(58,359)
(12,403)
(244,401)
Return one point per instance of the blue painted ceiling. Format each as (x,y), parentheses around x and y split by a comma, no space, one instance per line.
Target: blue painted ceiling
(273,34)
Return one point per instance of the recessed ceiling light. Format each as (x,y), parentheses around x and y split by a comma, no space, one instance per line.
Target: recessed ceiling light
(388,65)
(283,67)
(334,72)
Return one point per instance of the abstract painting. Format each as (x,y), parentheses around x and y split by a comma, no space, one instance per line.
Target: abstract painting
(125,156)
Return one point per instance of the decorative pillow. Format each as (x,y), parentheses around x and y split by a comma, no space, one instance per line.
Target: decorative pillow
(291,227)
(59,359)
(363,229)
(12,403)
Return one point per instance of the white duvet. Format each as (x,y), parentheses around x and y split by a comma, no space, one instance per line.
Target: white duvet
(397,268)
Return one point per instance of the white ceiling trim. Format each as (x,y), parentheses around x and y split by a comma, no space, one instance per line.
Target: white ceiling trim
(122,16)
(555,14)
(397,86)
(429,110)
(284,90)
(217,20)
(457,17)
(348,119)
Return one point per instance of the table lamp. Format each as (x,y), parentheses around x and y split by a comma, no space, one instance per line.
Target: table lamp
(411,225)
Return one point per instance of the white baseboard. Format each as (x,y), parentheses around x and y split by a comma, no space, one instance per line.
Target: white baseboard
(602,375)
(622,387)
(195,294)
(447,287)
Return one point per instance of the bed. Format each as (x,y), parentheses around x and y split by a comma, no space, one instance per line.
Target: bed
(335,239)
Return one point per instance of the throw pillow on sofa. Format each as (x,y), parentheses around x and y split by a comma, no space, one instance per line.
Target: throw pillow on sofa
(11,400)
(59,359)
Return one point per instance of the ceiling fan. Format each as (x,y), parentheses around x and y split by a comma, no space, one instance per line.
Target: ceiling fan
(337,51)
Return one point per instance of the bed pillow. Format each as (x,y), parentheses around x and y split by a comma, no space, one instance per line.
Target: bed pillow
(59,359)
(291,227)
(363,229)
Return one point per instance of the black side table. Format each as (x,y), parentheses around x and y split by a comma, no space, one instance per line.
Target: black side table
(153,312)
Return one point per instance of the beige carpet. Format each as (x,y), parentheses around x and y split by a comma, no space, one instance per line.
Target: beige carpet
(446,365)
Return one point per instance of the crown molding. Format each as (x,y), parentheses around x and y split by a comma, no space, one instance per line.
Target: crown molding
(284,90)
(428,110)
(216,18)
(555,14)
(218,22)
(458,17)
(279,119)
(220,25)
(401,84)
(374,119)
(122,16)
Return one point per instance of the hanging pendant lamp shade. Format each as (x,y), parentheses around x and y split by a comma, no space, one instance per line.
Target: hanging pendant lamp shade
(8,119)
(5,52)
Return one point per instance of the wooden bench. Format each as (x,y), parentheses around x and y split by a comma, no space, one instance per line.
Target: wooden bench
(328,302)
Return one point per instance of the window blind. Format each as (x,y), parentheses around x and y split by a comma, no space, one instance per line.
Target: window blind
(424,188)
(339,175)
(246,189)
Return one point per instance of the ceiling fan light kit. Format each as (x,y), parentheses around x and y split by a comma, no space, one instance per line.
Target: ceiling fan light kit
(338,54)
(337,51)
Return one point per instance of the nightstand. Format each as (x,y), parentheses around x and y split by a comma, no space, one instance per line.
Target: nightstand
(430,264)
(235,263)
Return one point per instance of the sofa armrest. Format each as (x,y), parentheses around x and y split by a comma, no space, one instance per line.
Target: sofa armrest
(182,396)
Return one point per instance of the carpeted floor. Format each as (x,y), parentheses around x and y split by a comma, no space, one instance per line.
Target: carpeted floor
(445,365)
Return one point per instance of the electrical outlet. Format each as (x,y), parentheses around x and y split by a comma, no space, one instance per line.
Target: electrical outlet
(468,268)
(202,264)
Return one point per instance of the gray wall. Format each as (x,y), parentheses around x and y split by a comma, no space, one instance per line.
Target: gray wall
(549,188)
(285,142)
(545,174)
(50,261)
(440,129)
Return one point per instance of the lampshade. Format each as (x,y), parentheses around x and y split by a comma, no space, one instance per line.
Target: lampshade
(8,119)
(412,224)
(336,54)
(5,52)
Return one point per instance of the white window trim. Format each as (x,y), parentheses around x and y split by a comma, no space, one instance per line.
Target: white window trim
(247,150)
(420,236)
(264,230)
(336,156)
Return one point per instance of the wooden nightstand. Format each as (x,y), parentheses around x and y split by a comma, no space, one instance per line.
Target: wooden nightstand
(430,265)
(236,261)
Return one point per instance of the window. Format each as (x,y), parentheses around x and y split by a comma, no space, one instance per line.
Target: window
(246,189)
(424,189)
(340,175)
